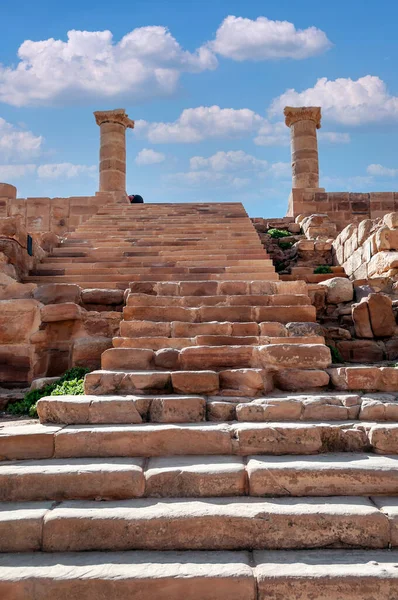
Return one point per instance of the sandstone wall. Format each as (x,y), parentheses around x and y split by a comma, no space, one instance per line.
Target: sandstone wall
(369,249)
(56,215)
(342,207)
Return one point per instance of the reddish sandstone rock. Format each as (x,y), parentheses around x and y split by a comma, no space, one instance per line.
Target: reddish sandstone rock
(131,359)
(177,409)
(102,296)
(55,293)
(167,358)
(87,351)
(361,351)
(67,311)
(195,382)
(297,379)
(361,318)
(381,315)
(294,356)
(19,319)
(243,381)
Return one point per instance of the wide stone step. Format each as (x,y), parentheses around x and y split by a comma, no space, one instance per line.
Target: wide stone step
(183,329)
(198,476)
(175,408)
(316,574)
(146,300)
(241,287)
(87,263)
(284,355)
(244,439)
(114,277)
(128,575)
(158,343)
(178,272)
(230,523)
(237,314)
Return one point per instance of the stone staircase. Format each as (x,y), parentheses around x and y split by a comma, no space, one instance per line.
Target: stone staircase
(191,468)
(158,242)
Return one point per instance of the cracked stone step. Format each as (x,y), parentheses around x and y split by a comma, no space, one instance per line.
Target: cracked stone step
(159,343)
(121,576)
(207,524)
(326,574)
(204,314)
(60,479)
(151,439)
(324,475)
(197,301)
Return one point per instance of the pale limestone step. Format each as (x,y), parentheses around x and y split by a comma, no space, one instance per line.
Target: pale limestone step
(78,478)
(244,439)
(127,575)
(230,523)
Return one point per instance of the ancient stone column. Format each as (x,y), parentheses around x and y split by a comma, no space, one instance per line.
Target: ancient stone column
(112,167)
(303,123)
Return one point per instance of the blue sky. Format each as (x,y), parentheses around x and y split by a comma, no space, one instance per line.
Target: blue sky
(206,83)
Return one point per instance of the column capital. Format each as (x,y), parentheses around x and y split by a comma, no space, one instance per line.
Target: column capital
(118,115)
(302,113)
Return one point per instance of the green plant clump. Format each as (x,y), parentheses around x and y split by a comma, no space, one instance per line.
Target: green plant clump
(322,270)
(71,383)
(336,356)
(285,245)
(278,233)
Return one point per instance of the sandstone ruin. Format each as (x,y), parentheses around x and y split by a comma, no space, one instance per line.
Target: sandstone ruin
(238,435)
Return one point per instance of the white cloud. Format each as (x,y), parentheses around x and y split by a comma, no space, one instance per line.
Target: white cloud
(272,134)
(146,62)
(195,178)
(244,39)
(18,144)
(203,122)
(380,171)
(11,172)
(64,171)
(334,137)
(356,183)
(365,100)
(281,170)
(235,169)
(210,122)
(147,156)
(228,161)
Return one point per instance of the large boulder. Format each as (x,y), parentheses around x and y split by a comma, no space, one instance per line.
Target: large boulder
(381,315)
(338,289)
(18,320)
(361,318)
(56,293)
